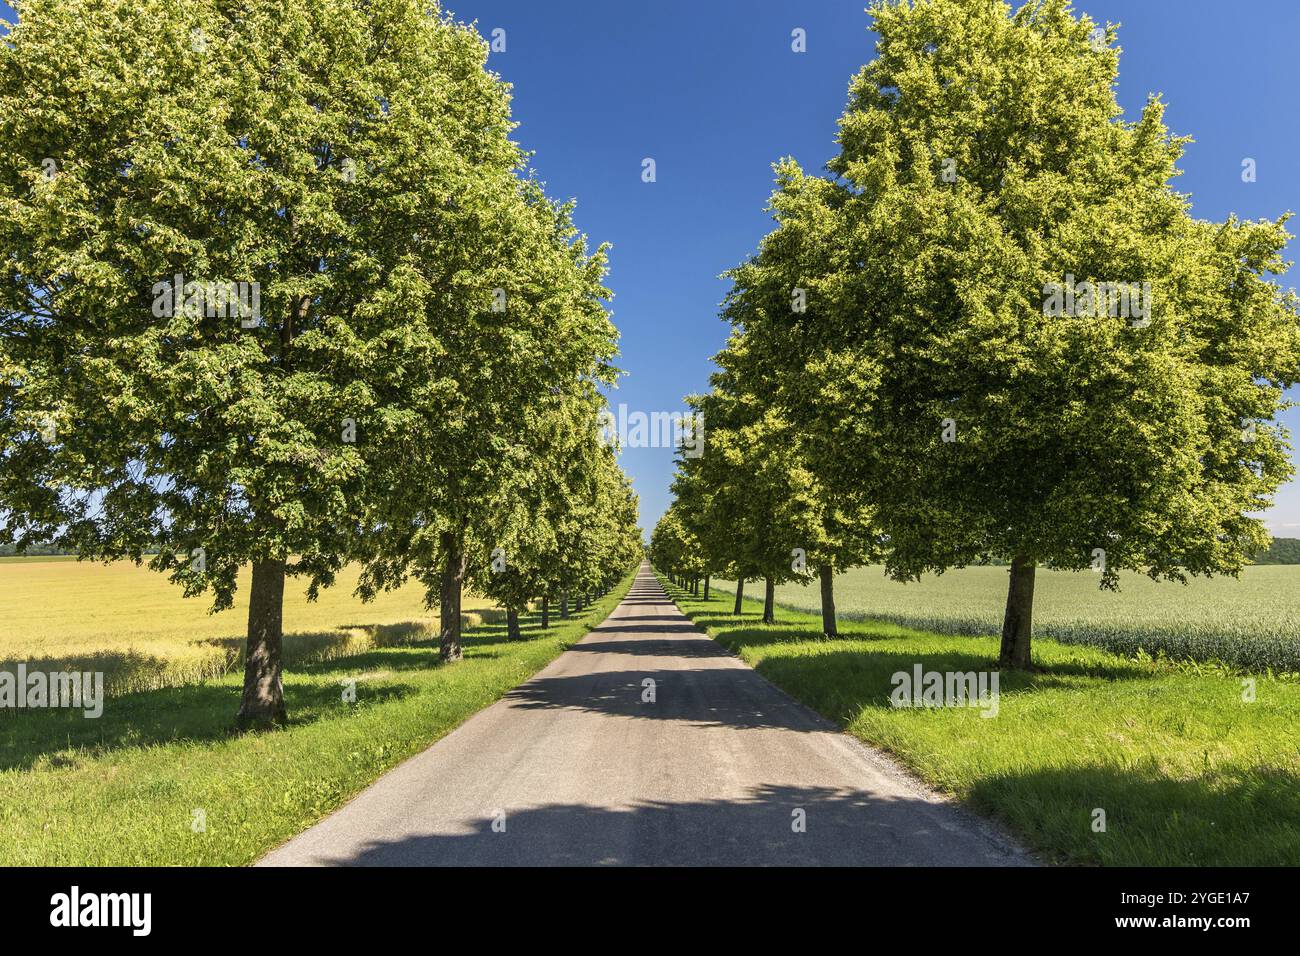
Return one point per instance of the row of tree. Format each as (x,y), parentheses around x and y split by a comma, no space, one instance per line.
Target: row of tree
(992,331)
(408,377)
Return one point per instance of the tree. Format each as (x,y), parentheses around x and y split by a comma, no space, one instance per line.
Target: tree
(468,445)
(1049,358)
(671,544)
(774,356)
(569,522)
(341,213)
(756,510)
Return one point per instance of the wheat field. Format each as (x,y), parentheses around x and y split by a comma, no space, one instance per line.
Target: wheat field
(1252,622)
(135,626)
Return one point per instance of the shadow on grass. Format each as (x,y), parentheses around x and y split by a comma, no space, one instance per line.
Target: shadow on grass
(202,713)
(1230,816)
(839,681)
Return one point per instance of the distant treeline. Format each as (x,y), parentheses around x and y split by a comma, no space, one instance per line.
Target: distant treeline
(8,550)
(1282,551)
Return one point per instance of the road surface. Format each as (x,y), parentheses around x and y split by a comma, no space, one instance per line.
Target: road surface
(647,743)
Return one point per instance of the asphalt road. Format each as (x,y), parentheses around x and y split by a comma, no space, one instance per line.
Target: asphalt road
(583,765)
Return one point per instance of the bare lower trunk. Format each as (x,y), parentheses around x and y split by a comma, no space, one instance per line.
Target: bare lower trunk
(769,601)
(453,578)
(1018,625)
(564,605)
(740,597)
(512,624)
(829,627)
(263,701)
(706,587)
(546,611)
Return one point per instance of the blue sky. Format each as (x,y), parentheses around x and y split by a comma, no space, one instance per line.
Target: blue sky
(711,90)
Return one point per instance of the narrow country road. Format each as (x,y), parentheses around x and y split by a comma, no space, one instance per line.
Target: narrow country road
(580,766)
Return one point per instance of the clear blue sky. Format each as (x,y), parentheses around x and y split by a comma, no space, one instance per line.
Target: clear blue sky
(711,90)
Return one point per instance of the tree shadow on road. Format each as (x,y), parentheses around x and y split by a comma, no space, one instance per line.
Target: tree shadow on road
(703,696)
(770,825)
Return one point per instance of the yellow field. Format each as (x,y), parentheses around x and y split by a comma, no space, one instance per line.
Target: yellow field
(136,627)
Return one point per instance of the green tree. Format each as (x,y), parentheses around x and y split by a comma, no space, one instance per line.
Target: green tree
(776,357)
(1036,351)
(470,443)
(760,512)
(671,544)
(351,168)
(569,522)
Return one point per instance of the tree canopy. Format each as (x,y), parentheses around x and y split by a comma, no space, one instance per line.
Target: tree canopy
(278,289)
(1000,330)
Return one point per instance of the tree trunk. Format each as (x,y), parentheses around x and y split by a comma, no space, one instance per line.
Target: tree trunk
(453,577)
(740,597)
(512,624)
(1018,625)
(546,611)
(263,701)
(769,601)
(829,627)
(564,605)
(706,587)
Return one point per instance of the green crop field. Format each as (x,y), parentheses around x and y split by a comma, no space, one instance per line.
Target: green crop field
(139,630)
(1252,623)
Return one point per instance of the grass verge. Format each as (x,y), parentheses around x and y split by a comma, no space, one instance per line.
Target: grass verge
(1186,770)
(128,788)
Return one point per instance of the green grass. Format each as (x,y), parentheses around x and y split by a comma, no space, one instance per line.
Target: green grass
(1187,772)
(122,789)
(142,633)
(1249,623)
